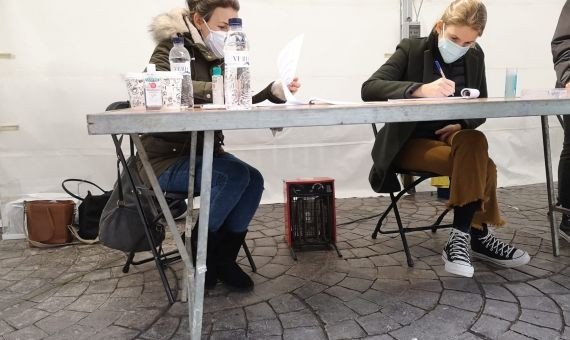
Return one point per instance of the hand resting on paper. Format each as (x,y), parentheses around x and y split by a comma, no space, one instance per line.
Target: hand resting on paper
(568,86)
(440,88)
(446,132)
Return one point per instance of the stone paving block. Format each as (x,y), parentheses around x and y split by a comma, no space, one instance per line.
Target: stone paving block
(510,335)
(238,334)
(164,328)
(403,313)
(543,319)
(5,328)
(272,270)
(513,275)
(131,280)
(330,309)
(260,311)
(461,284)
(467,301)
(362,306)
(97,275)
(313,333)
(100,319)
(377,323)
(342,293)
(523,289)
(491,327)
(28,333)
(72,289)
(358,284)
(378,337)
(120,304)
(488,277)
(59,321)
(25,318)
(436,325)
(264,328)
(88,303)
(229,320)
(302,318)
(115,332)
(138,319)
(127,292)
(348,329)
(98,287)
(534,331)
(27,286)
(563,301)
(549,287)
(286,303)
(55,303)
(498,293)
(310,289)
(421,299)
(500,309)
(541,303)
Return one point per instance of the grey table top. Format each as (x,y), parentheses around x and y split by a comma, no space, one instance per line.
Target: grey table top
(141,121)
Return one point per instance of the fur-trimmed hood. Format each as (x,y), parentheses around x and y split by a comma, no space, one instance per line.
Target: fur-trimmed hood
(168,25)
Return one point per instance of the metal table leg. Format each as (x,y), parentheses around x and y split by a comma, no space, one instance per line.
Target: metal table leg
(550,186)
(186,296)
(205,191)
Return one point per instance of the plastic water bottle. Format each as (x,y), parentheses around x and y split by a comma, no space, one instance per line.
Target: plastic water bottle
(180,62)
(237,87)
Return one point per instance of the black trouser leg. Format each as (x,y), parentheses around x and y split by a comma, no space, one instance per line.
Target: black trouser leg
(462,216)
(564,167)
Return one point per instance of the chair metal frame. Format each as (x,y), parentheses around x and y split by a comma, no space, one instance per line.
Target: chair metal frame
(422,176)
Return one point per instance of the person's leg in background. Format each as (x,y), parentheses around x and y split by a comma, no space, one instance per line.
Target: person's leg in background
(473,194)
(564,176)
(235,196)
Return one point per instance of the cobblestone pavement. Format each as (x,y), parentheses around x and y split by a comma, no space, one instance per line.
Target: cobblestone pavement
(80,292)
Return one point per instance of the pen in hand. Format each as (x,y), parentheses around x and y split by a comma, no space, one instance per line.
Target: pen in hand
(439,69)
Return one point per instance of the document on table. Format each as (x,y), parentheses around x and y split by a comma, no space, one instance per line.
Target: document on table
(466,93)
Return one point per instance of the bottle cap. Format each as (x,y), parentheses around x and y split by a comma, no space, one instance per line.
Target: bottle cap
(151,68)
(235,22)
(217,71)
(177,40)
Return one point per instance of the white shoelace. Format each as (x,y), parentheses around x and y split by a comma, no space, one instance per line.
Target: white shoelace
(495,245)
(459,246)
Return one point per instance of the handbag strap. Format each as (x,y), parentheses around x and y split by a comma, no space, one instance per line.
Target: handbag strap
(78,181)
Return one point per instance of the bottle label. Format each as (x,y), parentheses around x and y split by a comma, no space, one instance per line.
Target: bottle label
(237,58)
(180,67)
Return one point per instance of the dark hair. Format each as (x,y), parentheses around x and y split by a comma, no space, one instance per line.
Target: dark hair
(205,8)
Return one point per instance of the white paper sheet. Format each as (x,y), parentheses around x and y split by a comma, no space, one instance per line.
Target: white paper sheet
(287,62)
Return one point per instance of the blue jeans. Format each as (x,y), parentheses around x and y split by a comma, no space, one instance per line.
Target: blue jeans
(236,190)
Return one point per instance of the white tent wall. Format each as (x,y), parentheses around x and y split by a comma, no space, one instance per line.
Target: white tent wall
(70,57)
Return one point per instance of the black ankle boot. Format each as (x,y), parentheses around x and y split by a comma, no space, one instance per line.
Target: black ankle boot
(214,239)
(229,271)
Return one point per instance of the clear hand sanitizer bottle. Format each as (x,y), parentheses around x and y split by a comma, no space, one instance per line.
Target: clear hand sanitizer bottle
(217,86)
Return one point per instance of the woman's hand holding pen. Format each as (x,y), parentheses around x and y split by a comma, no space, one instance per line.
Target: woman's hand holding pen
(294,85)
(440,88)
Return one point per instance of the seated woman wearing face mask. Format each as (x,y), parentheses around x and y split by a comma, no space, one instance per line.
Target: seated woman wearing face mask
(236,186)
(452,148)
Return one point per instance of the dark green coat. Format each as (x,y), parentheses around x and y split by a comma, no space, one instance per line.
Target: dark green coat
(165,149)
(561,47)
(412,63)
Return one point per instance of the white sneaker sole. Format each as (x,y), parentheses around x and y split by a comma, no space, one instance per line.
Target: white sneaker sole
(520,261)
(455,268)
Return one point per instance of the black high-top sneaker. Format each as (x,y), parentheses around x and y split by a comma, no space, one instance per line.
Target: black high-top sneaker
(456,254)
(487,247)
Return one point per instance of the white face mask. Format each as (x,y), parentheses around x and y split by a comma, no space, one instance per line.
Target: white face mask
(215,41)
(449,50)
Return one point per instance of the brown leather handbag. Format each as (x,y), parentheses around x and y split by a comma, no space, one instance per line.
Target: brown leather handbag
(47,222)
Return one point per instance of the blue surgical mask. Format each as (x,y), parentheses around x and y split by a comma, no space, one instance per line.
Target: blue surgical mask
(449,50)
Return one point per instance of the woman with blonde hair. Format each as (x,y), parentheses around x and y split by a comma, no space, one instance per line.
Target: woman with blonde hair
(450,147)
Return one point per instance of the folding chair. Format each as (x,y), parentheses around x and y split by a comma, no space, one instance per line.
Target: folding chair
(162,259)
(422,176)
